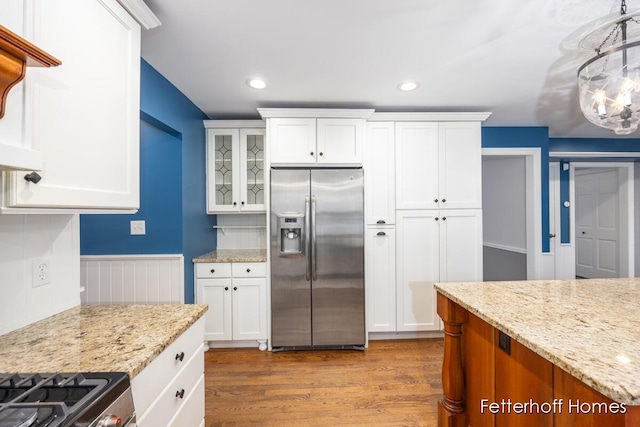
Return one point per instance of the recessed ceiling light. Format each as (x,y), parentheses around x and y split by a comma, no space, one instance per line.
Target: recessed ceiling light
(408,86)
(256,83)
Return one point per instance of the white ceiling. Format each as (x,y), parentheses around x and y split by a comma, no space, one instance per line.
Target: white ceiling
(516,59)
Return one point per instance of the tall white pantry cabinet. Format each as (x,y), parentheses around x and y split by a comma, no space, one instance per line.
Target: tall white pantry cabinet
(424,214)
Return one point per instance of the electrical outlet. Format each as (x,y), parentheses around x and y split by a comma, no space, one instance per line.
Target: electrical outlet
(138,227)
(41,272)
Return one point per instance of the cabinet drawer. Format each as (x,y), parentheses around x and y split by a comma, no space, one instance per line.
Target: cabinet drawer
(191,414)
(149,383)
(213,269)
(174,396)
(249,269)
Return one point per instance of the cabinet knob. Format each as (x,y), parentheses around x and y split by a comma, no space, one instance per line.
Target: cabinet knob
(436,218)
(213,270)
(248,270)
(33,177)
(381,221)
(321,153)
(552,235)
(242,203)
(444,218)
(381,233)
(436,200)
(444,200)
(235,288)
(312,153)
(226,288)
(180,393)
(235,204)
(180,356)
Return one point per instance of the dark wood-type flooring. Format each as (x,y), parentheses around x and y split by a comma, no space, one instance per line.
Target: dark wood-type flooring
(392,383)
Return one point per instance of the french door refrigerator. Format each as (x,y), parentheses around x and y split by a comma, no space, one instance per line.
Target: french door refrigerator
(317,258)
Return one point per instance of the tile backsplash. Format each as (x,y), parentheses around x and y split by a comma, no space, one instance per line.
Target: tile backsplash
(242,231)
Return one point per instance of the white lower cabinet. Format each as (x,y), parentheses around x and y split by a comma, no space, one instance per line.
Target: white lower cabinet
(237,297)
(433,246)
(380,279)
(170,391)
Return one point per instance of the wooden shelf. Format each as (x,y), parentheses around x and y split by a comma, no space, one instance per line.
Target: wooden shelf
(16,54)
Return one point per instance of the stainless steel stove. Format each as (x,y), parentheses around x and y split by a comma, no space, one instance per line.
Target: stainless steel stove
(66,400)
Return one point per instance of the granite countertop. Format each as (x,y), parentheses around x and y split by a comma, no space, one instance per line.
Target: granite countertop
(590,328)
(234,255)
(97,338)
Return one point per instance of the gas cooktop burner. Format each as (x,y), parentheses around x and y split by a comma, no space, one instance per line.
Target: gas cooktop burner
(62,400)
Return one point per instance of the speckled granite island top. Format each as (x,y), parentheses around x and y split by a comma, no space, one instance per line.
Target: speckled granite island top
(97,338)
(234,255)
(589,328)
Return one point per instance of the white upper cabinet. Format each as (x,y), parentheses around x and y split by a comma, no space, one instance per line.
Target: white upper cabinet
(438,165)
(379,174)
(82,116)
(315,137)
(235,166)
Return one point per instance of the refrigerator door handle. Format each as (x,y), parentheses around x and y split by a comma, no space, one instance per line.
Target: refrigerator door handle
(314,243)
(307,243)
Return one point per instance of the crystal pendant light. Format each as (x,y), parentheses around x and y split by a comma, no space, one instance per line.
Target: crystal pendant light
(609,83)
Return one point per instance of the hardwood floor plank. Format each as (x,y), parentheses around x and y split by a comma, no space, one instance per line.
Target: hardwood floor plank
(393,383)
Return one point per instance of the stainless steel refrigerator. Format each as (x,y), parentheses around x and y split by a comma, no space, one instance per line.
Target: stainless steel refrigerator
(317,258)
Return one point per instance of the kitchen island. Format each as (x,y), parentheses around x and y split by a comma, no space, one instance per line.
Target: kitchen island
(541,353)
(159,346)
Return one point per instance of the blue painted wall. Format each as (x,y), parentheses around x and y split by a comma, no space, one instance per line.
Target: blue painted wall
(172,187)
(530,137)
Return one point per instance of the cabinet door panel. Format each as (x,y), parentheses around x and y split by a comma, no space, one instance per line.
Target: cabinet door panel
(83,116)
(379,174)
(380,279)
(218,319)
(340,141)
(460,245)
(293,141)
(252,171)
(223,164)
(417,270)
(249,309)
(416,165)
(460,172)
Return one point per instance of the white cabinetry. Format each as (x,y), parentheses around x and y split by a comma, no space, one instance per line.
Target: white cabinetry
(83,116)
(237,297)
(380,274)
(170,391)
(434,246)
(315,137)
(379,174)
(235,166)
(438,165)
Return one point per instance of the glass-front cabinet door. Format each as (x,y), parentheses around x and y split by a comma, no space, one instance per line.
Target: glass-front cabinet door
(235,170)
(252,170)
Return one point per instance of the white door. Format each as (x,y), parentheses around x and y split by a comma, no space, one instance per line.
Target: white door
(217,294)
(249,309)
(597,223)
(380,279)
(84,115)
(460,168)
(416,165)
(417,268)
(251,186)
(461,245)
(293,141)
(379,174)
(223,170)
(340,141)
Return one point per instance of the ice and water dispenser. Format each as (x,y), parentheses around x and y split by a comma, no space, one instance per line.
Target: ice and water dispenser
(290,232)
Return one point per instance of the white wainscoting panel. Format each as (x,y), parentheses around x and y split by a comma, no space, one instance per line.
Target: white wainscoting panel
(132,279)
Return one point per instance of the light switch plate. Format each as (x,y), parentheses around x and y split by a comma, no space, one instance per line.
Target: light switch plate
(138,228)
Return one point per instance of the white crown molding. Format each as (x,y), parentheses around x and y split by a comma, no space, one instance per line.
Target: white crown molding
(429,117)
(587,154)
(268,113)
(139,10)
(225,124)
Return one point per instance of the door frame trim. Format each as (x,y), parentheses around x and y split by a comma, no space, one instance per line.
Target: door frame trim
(627,264)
